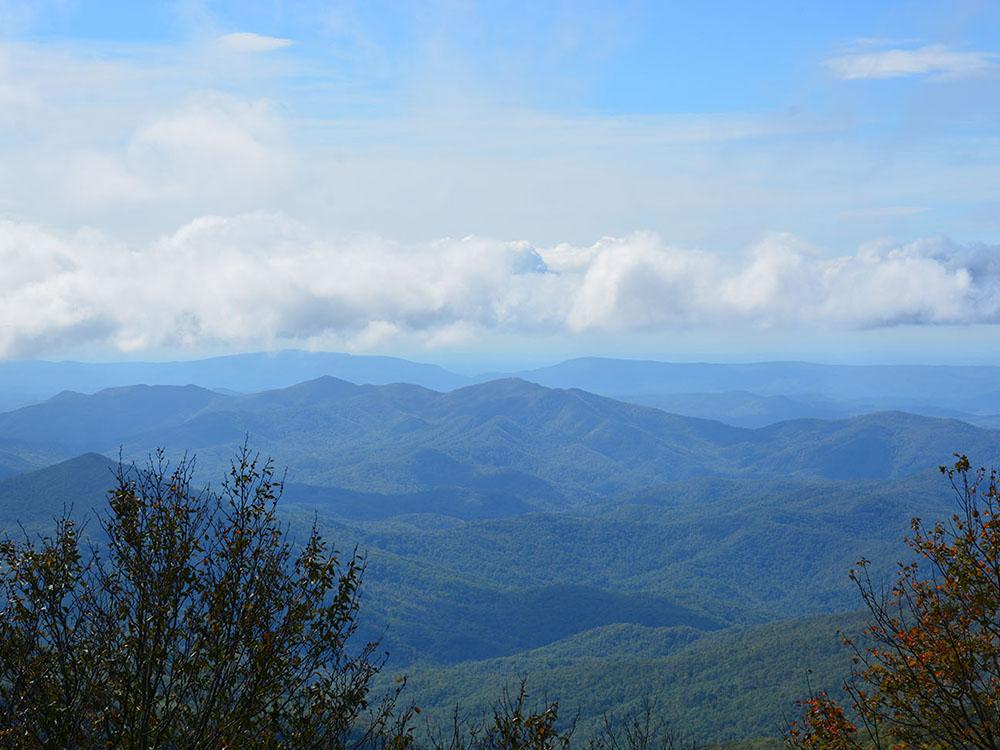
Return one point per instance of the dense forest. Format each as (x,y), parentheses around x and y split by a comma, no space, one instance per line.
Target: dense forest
(607,554)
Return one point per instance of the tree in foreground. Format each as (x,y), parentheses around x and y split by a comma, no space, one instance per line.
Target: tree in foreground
(928,672)
(511,725)
(514,724)
(191,621)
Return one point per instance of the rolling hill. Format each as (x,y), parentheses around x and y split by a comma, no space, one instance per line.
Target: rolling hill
(546,448)
(35,498)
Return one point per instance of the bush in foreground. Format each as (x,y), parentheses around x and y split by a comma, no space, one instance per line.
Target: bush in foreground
(190,621)
(929,673)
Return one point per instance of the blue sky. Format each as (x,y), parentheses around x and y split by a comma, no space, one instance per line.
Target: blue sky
(581,57)
(679,179)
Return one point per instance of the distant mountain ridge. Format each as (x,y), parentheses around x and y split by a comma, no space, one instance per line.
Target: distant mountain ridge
(26,382)
(546,447)
(964,385)
(744,395)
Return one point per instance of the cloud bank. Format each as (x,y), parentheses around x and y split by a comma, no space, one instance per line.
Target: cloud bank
(265,280)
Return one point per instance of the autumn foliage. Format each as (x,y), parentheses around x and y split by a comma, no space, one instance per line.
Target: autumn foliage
(927,671)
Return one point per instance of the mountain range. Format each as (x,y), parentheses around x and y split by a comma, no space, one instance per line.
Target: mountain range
(548,447)
(745,395)
(513,528)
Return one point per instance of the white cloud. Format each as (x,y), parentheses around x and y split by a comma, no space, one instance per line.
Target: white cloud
(932,59)
(213,149)
(140,139)
(245,41)
(264,280)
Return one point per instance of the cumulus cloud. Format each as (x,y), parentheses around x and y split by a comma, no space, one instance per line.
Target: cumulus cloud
(263,280)
(932,59)
(245,41)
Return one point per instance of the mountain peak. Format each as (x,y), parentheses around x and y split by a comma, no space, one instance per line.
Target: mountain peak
(323,388)
(505,386)
(67,395)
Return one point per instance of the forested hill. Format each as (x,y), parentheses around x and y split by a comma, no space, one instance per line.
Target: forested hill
(550,447)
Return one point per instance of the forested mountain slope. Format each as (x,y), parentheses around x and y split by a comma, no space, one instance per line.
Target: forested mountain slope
(735,684)
(548,448)
(701,553)
(34,499)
